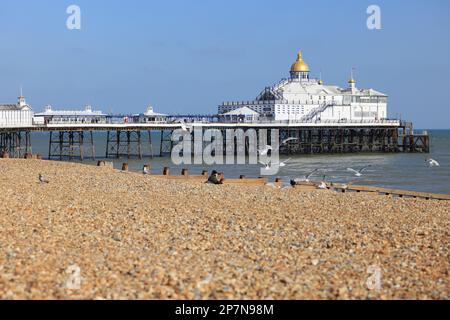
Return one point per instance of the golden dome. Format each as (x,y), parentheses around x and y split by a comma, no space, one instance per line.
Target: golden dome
(300,65)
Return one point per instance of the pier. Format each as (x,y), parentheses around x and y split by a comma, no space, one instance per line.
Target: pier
(133,139)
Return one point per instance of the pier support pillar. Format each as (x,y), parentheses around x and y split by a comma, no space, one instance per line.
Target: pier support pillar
(69,145)
(15,143)
(166,143)
(127,143)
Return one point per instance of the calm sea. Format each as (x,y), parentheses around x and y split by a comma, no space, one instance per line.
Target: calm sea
(401,170)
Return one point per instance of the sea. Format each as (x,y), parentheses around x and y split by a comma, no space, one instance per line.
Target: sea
(407,171)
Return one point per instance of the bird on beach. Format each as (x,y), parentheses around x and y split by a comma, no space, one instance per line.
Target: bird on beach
(145,170)
(432,163)
(265,151)
(323,184)
(344,186)
(272,185)
(288,139)
(42,179)
(185,128)
(359,172)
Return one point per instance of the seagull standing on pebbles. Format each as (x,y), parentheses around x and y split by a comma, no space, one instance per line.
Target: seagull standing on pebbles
(323,184)
(42,179)
(359,172)
(432,163)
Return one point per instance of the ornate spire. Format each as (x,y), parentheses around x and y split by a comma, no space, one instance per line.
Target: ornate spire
(300,65)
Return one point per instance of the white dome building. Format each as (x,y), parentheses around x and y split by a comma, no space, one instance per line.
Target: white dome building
(303,99)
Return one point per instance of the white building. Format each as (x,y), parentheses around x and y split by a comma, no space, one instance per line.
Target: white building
(244,114)
(50,116)
(19,114)
(150,116)
(301,98)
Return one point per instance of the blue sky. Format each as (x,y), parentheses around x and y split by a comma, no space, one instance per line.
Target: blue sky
(189,56)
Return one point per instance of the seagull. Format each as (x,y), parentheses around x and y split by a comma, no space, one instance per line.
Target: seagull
(288,139)
(272,185)
(283,163)
(323,184)
(306,179)
(358,173)
(267,165)
(432,163)
(263,152)
(310,174)
(42,179)
(145,170)
(185,128)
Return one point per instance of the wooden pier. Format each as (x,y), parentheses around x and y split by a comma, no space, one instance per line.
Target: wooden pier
(127,140)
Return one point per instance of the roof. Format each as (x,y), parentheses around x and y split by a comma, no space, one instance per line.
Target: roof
(292,89)
(154,114)
(12,106)
(70,113)
(241,111)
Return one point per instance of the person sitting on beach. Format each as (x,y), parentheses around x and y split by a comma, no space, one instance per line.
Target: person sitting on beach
(215,178)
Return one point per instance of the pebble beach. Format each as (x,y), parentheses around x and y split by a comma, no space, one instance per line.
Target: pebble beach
(135,236)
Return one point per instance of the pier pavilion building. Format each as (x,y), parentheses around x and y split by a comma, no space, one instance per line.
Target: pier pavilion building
(51,116)
(301,98)
(18,114)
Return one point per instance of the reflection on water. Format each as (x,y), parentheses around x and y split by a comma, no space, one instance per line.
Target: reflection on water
(402,170)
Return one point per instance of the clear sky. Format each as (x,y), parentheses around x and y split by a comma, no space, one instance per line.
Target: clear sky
(188,56)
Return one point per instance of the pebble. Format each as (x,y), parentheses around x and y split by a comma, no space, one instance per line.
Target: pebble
(137,236)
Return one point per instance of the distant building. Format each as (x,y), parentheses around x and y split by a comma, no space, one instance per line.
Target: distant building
(243,114)
(301,98)
(18,114)
(88,116)
(149,116)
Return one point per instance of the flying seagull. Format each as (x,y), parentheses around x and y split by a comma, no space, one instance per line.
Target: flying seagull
(267,165)
(310,174)
(42,179)
(359,172)
(263,152)
(306,179)
(288,139)
(283,163)
(185,128)
(432,163)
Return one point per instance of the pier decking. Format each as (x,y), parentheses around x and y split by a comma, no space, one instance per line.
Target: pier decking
(75,140)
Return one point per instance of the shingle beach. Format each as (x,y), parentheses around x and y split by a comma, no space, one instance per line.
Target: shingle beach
(134,236)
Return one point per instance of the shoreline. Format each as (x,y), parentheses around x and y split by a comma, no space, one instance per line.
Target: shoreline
(137,236)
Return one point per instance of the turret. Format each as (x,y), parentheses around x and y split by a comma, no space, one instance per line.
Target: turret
(300,69)
(352,83)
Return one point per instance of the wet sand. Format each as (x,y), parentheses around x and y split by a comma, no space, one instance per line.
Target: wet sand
(134,236)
